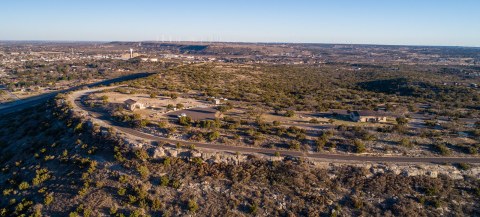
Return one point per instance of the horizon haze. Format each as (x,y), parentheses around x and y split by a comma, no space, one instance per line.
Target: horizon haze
(431,23)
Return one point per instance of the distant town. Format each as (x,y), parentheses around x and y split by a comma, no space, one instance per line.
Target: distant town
(238,129)
(22,63)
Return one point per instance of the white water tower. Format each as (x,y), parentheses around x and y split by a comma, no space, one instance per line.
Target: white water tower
(131,53)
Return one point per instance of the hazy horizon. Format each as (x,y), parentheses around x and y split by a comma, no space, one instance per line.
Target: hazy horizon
(240,42)
(371,22)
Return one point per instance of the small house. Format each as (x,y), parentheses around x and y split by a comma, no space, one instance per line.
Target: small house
(340,114)
(132,105)
(219,101)
(369,116)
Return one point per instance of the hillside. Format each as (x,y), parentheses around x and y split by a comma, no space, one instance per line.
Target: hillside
(54,165)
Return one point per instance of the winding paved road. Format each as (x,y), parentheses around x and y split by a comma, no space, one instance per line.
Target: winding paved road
(22,104)
(244,149)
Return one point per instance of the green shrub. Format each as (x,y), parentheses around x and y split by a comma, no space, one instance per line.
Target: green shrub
(48,199)
(294,144)
(121,191)
(136,213)
(87,212)
(113,210)
(357,203)
(192,206)
(431,123)
(156,204)
(197,160)
(118,154)
(289,113)
(463,166)
(84,189)
(437,203)
(401,121)
(421,200)
(442,149)
(143,171)
(368,136)
(141,154)
(430,191)
(164,181)
(472,150)
(320,142)
(212,136)
(123,179)
(406,143)
(359,146)
(167,161)
(253,208)
(185,121)
(176,184)
(132,199)
(313,121)
(23,186)
(162,124)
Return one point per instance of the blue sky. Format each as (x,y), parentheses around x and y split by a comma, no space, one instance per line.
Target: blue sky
(410,22)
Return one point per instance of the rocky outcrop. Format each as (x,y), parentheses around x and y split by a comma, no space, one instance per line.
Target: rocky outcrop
(158,153)
(432,171)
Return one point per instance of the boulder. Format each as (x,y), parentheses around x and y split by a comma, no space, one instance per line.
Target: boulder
(171,152)
(158,153)
(432,174)
(195,153)
(377,170)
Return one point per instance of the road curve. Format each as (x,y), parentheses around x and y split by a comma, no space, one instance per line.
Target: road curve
(22,104)
(271,152)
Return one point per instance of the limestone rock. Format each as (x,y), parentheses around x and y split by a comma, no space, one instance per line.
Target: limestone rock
(158,153)
(171,153)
